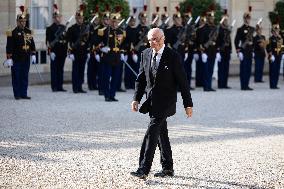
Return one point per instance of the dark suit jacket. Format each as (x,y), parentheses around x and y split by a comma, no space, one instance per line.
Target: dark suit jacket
(162,96)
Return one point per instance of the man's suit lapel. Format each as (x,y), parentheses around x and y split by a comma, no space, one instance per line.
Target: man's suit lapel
(148,61)
(162,62)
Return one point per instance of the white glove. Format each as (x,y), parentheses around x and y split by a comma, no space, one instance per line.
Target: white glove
(98,58)
(196,57)
(241,56)
(272,58)
(71,57)
(105,49)
(204,57)
(52,56)
(125,58)
(185,56)
(33,59)
(122,57)
(8,63)
(218,57)
(135,58)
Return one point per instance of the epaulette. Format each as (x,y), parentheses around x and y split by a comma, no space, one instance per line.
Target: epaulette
(124,34)
(9,33)
(101,31)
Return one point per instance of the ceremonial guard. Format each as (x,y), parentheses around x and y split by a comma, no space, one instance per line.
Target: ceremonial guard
(78,38)
(207,39)
(259,45)
(93,63)
(57,50)
(244,49)
(20,51)
(164,20)
(131,54)
(112,38)
(142,30)
(155,18)
(224,47)
(198,60)
(275,50)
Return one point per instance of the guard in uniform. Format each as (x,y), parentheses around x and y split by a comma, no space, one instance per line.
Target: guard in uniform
(142,31)
(198,60)
(78,38)
(259,45)
(207,39)
(165,20)
(112,38)
(93,63)
(244,48)
(155,18)
(224,47)
(20,50)
(57,50)
(131,54)
(275,50)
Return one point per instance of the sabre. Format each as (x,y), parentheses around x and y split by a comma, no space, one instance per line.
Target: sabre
(127,21)
(121,22)
(70,19)
(197,20)
(233,23)
(156,18)
(189,21)
(130,68)
(93,19)
(259,21)
(167,20)
(222,20)
(40,76)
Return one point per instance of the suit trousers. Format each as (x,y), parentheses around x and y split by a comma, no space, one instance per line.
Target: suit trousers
(56,72)
(20,78)
(157,134)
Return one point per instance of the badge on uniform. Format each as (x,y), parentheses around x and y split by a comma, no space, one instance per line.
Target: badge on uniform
(245,31)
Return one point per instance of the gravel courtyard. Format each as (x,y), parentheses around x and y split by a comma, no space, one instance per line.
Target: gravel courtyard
(64,140)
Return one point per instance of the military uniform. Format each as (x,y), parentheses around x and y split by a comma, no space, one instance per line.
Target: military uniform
(259,56)
(244,44)
(93,63)
(111,61)
(58,46)
(20,46)
(224,47)
(275,48)
(79,47)
(206,41)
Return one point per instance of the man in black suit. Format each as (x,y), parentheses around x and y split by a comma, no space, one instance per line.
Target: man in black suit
(160,72)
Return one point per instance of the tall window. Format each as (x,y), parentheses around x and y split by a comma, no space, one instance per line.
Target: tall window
(39,11)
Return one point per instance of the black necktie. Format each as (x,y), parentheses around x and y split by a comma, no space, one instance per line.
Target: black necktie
(154,65)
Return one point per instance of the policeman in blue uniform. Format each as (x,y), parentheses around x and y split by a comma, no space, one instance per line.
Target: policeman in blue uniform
(57,48)
(20,50)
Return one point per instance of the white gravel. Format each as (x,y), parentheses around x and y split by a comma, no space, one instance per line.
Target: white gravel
(64,140)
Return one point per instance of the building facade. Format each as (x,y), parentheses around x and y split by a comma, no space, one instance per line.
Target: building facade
(40,12)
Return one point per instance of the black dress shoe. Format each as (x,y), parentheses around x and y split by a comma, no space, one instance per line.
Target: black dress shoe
(17,97)
(140,174)
(121,90)
(26,97)
(249,89)
(108,100)
(274,87)
(164,173)
(61,90)
(209,90)
(82,91)
(114,99)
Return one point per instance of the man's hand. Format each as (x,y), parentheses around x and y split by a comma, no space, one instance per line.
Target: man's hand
(134,106)
(188,111)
